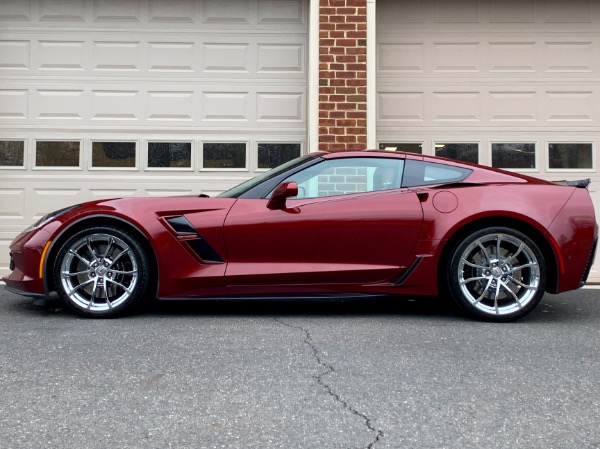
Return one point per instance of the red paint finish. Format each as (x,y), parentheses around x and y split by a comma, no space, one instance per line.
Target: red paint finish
(358,239)
(353,243)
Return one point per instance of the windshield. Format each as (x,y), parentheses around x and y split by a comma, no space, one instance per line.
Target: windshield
(240,189)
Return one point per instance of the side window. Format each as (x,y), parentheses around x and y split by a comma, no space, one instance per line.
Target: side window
(419,173)
(346,176)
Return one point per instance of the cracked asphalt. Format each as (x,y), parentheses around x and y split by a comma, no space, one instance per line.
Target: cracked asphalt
(379,374)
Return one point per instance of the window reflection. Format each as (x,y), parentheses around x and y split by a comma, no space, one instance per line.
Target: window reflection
(224,155)
(465,152)
(170,154)
(57,154)
(513,155)
(271,155)
(570,155)
(113,154)
(12,153)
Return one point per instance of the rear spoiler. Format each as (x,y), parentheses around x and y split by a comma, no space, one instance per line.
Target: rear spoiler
(582,183)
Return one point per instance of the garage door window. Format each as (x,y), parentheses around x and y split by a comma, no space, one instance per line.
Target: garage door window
(513,155)
(271,155)
(570,156)
(12,153)
(169,154)
(113,154)
(57,154)
(230,155)
(408,147)
(466,152)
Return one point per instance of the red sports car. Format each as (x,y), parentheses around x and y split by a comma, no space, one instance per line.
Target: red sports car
(325,225)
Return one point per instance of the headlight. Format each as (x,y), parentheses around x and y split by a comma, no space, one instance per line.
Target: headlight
(49,217)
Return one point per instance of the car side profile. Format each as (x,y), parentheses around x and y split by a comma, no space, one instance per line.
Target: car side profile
(325,225)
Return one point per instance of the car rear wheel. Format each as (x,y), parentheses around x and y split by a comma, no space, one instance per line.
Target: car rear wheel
(497,274)
(101,271)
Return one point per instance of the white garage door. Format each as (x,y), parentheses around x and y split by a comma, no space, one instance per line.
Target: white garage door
(512,84)
(106,98)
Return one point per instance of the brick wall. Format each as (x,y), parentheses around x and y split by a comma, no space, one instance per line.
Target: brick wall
(342,75)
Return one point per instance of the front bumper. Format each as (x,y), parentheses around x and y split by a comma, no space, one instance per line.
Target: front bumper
(26,261)
(24,293)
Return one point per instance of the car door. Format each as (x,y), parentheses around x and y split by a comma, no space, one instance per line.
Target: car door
(350,223)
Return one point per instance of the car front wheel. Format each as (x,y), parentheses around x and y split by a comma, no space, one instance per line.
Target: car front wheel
(101,271)
(497,274)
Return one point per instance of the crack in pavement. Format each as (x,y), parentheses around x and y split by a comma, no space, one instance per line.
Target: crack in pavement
(320,380)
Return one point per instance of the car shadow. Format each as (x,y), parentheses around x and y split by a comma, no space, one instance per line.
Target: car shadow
(433,307)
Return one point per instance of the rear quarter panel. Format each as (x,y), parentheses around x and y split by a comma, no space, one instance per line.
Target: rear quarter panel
(537,205)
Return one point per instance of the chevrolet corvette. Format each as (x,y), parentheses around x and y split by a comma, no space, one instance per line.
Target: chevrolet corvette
(322,226)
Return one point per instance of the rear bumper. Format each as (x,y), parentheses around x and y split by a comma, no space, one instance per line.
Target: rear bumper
(575,232)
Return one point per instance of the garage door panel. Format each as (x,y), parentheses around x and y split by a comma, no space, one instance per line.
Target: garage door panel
(212,14)
(13,105)
(188,105)
(14,55)
(209,57)
(484,58)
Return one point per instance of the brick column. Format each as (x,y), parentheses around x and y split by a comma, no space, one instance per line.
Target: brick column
(342,75)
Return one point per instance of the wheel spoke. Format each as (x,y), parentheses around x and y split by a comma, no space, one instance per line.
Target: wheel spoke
(496,298)
(94,288)
(479,278)
(88,242)
(478,300)
(74,253)
(126,251)
(498,240)
(520,284)
(507,288)
(119,285)
(526,265)
(83,284)
(67,274)
(108,303)
(487,257)
(108,247)
(466,262)
(514,256)
(124,272)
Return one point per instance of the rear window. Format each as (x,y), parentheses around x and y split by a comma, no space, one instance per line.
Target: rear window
(420,173)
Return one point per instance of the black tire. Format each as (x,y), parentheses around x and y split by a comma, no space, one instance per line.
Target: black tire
(496,287)
(102,272)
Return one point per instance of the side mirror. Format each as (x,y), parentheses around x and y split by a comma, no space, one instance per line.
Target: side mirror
(282,192)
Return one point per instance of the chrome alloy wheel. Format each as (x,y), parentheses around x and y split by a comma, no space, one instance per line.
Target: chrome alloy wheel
(498,274)
(99,272)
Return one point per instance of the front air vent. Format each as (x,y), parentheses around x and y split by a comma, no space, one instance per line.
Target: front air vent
(192,240)
(181,225)
(204,250)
